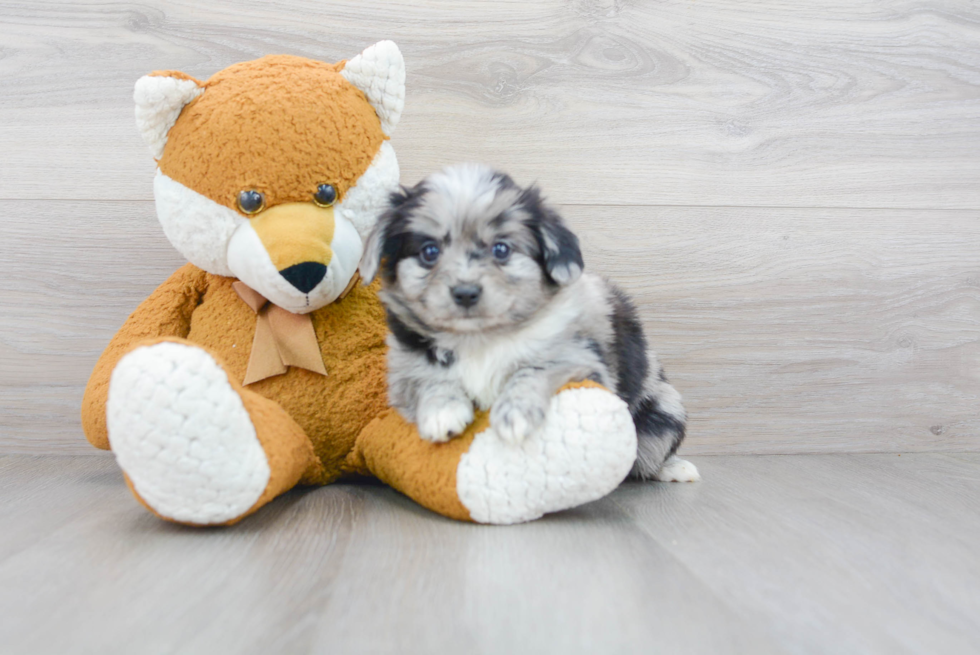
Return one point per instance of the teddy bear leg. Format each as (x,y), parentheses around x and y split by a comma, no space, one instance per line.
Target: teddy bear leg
(196,447)
(585,448)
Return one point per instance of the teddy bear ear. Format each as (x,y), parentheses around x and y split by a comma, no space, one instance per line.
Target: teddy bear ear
(379,72)
(159,98)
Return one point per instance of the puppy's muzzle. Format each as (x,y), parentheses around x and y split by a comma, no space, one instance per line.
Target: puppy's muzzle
(466,295)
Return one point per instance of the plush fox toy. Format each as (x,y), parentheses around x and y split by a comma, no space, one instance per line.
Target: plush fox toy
(260,364)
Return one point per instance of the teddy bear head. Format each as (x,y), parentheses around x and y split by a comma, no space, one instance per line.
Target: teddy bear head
(274,171)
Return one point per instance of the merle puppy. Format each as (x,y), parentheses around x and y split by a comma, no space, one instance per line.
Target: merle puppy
(487,304)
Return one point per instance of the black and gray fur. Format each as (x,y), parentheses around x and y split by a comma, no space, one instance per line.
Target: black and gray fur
(506,326)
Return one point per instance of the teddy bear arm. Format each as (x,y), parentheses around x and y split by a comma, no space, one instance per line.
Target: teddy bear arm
(165,313)
(582,452)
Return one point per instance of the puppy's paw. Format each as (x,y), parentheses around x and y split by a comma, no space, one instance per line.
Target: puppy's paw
(442,423)
(676,469)
(515,417)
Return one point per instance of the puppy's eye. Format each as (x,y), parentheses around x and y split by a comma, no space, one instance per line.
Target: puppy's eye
(429,253)
(501,251)
(325,195)
(251,202)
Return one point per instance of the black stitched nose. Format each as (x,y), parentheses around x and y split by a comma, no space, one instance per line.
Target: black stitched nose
(304,276)
(466,295)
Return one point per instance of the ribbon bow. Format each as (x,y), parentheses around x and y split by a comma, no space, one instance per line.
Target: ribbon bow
(281,338)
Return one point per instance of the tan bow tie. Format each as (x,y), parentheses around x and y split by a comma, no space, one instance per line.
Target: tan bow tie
(281,338)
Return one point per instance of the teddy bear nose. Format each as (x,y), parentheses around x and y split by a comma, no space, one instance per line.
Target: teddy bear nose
(304,276)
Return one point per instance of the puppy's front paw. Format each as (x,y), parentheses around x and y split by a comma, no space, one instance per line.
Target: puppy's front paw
(442,423)
(514,417)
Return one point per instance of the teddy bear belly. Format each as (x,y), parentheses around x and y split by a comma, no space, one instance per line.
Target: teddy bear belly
(331,409)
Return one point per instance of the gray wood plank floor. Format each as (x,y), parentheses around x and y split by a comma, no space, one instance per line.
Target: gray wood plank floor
(795,554)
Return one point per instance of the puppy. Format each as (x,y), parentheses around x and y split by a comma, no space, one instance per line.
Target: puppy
(487,303)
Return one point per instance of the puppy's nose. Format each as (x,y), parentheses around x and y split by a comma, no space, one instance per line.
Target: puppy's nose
(304,276)
(466,295)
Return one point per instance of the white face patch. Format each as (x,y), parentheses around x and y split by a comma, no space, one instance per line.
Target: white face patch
(219,240)
(250,263)
(198,227)
(365,201)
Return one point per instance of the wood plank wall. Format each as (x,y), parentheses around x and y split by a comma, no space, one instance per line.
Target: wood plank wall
(791,190)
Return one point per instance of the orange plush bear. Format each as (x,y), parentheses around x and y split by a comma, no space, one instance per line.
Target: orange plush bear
(260,365)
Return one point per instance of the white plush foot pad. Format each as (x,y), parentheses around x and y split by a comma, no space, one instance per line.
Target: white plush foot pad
(676,469)
(584,449)
(182,435)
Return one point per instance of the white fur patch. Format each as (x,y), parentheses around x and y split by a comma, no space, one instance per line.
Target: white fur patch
(582,452)
(512,421)
(182,435)
(198,227)
(484,362)
(565,273)
(365,201)
(464,190)
(676,469)
(379,72)
(159,101)
(249,261)
(221,241)
(440,425)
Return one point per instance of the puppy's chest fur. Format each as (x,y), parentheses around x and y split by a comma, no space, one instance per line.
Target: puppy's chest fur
(482,363)
(482,368)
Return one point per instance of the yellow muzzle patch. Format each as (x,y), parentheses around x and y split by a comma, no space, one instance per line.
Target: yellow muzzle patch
(296,232)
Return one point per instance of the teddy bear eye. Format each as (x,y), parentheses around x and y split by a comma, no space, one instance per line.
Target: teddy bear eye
(325,195)
(251,202)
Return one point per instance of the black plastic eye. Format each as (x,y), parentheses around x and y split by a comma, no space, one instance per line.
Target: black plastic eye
(501,251)
(325,195)
(429,253)
(251,202)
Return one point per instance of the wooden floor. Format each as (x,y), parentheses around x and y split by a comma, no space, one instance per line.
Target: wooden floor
(793,554)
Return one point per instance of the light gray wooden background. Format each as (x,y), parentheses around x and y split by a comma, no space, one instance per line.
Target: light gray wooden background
(791,190)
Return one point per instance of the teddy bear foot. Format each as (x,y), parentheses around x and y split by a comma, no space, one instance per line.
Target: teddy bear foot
(583,450)
(183,437)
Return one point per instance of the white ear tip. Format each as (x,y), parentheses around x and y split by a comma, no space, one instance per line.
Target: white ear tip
(384,56)
(379,72)
(159,100)
(367,270)
(566,273)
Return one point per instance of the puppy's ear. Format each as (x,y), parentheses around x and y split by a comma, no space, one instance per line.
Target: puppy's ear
(371,260)
(398,203)
(561,256)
